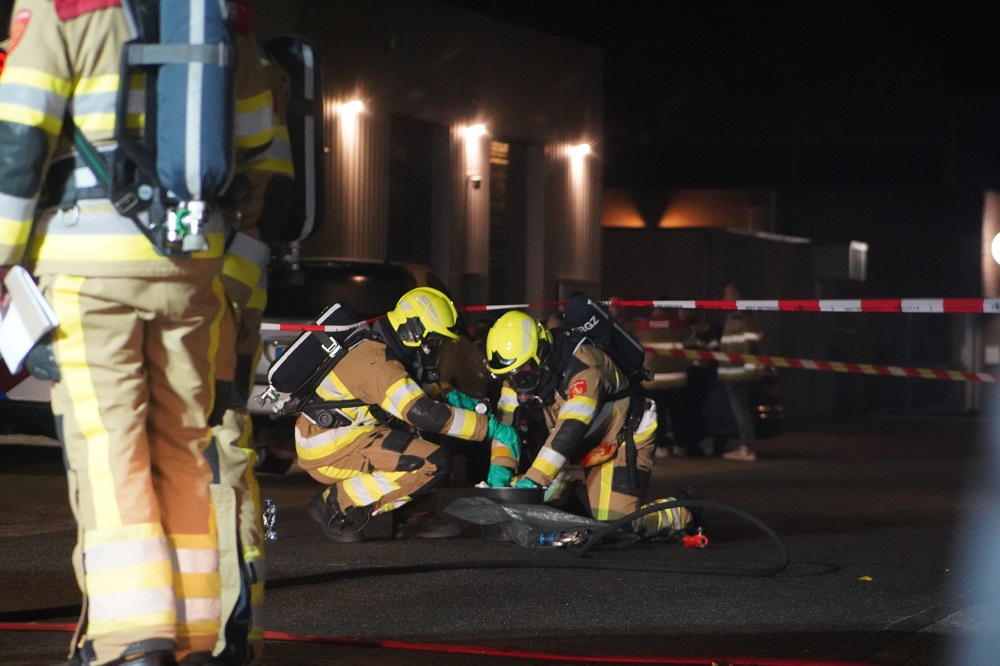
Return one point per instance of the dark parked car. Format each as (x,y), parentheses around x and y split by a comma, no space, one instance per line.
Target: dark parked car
(765,408)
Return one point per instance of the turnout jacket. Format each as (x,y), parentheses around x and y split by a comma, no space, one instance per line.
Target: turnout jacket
(371,374)
(66,56)
(739,336)
(584,423)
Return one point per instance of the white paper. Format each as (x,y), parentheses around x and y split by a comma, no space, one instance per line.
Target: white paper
(24,320)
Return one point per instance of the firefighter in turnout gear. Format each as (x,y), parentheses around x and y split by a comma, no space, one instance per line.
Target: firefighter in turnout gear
(373,457)
(595,420)
(136,353)
(666,331)
(266,181)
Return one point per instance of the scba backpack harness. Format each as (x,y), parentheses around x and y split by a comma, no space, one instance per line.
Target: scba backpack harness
(589,319)
(180,168)
(294,376)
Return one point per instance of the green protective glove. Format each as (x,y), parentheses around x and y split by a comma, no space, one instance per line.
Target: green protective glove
(458,399)
(499,477)
(525,482)
(506,435)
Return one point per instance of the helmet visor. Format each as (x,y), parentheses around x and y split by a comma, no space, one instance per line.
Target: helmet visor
(430,349)
(527,377)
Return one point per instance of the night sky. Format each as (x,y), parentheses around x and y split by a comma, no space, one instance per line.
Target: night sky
(662,57)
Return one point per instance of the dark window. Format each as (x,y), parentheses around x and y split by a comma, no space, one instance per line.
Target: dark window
(372,290)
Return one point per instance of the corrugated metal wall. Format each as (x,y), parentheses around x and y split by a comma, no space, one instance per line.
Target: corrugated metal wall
(434,63)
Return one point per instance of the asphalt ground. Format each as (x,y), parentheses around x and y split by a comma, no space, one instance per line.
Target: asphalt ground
(872,512)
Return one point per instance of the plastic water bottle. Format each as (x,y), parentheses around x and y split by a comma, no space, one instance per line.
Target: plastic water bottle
(270,520)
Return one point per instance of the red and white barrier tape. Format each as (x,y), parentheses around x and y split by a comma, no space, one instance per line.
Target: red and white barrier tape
(829,366)
(908,305)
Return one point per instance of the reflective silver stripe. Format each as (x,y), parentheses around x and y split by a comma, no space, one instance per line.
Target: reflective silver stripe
(463,419)
(669,376)
(94,103)
(136,100)
(250,249)
(738,338)
(552,456)
(126,553)
(197,560)
(195,89)
(648,419)
(129,603)
(14,208)
(322,438)
(357,488)
(578,409)
(48,102)
(507,401)
(200,609)
(401,394)
(257,121)
(600,421)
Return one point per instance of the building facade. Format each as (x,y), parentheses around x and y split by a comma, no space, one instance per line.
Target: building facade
(456,141)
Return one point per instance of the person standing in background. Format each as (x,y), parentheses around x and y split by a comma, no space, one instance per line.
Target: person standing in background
(740,335)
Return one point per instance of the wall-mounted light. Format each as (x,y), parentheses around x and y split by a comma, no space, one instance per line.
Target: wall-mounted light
(995,248)
(475,131)
(579,150)
(352,108)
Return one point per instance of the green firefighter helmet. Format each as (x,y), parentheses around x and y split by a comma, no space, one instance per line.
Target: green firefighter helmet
(422,312)
(518,346)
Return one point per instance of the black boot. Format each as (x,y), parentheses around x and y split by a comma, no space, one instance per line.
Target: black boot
(152,652)
(335,525)
(418,520)
(697,519)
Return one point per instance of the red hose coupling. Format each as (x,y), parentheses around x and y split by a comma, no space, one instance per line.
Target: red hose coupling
(698,540)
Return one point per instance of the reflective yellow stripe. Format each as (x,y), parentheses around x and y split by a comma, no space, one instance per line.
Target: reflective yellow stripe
(273,165)
(102,83)
(36,78)
(95,122)
(75,368)
(241,269)
(549,462)
(400,396)
(15,230)
(258,299)
(119,579)
(605,477)
(463,424)
(197,585)
(108,249)
(23,116)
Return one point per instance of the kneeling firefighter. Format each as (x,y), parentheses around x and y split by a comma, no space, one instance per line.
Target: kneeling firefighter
(370,451)
(595,420)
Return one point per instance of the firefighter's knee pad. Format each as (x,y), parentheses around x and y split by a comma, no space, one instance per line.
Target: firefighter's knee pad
(441,460)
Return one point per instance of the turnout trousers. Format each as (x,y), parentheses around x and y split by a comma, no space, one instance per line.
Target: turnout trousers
(380,470)
(137,363)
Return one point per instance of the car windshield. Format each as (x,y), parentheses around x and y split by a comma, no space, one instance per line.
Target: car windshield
(371,289)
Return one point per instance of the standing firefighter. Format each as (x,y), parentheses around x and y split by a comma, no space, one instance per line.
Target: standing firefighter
(129,258)
(372,455)
(595,420)
(266,180)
